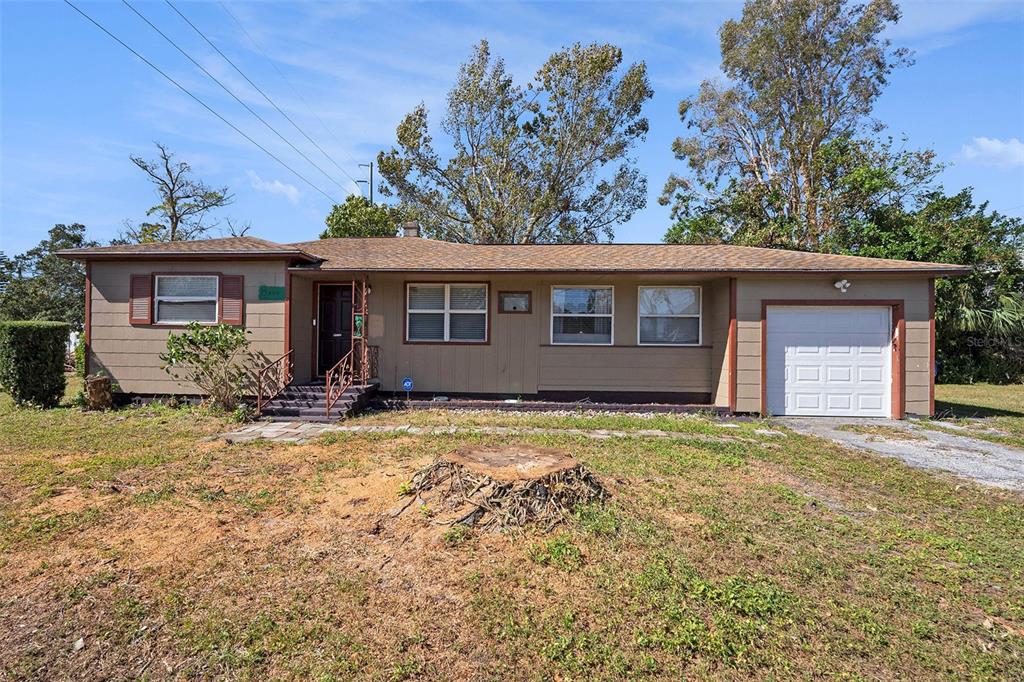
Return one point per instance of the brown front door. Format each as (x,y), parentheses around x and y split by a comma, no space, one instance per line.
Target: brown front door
(334,325)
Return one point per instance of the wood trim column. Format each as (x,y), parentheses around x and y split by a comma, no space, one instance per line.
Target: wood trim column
(87,322)
(764,358)
(288,312)
(931,347)
(899,362)
(732,348)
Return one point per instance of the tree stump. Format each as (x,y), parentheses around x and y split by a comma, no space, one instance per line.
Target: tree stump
(99,393)
(505,487)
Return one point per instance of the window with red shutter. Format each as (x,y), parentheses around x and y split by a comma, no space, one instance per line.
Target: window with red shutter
(140,300)
(232,299)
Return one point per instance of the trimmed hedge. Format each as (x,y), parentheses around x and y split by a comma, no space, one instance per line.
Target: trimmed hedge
(32,361)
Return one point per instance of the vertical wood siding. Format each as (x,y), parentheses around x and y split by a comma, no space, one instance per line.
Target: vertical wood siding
(519,358)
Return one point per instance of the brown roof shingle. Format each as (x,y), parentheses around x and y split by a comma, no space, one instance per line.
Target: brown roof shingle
(227,246)
(412,254)
(402,254)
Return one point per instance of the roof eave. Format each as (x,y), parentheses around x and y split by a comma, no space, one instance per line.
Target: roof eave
(931,272)
(84,255)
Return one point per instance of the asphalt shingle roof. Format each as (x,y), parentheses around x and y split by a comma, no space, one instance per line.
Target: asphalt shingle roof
(244,246)
(410,254)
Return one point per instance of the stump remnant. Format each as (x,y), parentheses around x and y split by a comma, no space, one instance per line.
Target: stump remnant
(505,487)
(99,392)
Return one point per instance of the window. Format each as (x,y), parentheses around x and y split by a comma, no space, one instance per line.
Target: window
(669,316)
(186,298)
(513,301)
(582,315)
(446,312)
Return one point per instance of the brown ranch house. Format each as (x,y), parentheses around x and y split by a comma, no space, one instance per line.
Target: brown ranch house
(740,329)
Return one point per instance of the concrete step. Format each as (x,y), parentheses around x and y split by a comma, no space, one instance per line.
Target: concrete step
(308,402)
(303,413)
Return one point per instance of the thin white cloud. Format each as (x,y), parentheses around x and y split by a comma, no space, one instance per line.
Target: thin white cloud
(924,18)
(290,192)
(989,151)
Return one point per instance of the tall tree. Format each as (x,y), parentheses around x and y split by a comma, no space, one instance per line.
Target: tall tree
(771,152)
(41,286)
(357,217)
(979,317)
(184,201)
(548,162)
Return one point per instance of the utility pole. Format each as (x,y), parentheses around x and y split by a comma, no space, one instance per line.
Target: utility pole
(370,166)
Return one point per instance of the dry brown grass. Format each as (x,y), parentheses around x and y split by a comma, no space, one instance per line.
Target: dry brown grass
(174,557)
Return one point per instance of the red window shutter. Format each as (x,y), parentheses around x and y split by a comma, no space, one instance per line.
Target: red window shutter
(140,300)
(232,299)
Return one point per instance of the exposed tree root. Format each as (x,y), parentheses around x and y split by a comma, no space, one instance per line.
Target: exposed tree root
(494,488)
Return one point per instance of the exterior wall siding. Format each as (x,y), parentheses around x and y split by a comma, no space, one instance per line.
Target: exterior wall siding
(912,291)
(130,353)
(519,358)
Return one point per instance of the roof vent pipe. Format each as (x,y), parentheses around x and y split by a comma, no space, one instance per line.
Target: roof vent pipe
(411,229)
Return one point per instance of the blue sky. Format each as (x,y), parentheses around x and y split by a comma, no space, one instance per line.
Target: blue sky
(75,104)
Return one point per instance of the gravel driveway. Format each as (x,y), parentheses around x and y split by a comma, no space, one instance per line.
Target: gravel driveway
(982,461)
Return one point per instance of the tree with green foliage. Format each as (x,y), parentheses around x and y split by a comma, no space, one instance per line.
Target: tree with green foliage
(979,318)
(357,217)
(544,163)
(785,152)
(184,202)
(42,286)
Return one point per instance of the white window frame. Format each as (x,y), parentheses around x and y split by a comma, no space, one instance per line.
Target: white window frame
(448,310)
(552,314)
(699,315)
(157,299)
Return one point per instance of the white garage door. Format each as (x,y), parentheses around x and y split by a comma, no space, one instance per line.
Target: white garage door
(829,361)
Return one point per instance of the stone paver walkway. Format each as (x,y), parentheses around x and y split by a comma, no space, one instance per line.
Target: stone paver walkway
(301,432)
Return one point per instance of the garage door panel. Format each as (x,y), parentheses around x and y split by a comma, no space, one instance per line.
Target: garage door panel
(870,402)
(869,374)
(839,401)
(807,374)
(828,360)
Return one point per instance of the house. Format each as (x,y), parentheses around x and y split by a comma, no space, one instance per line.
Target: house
(743,329)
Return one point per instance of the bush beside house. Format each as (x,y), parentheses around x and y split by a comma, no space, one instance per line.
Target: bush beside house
(215,359)
(32,361)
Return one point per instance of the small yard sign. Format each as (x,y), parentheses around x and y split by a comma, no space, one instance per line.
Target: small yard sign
(407,384)
(269,293)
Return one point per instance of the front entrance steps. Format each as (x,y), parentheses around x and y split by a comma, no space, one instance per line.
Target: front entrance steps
(308,403)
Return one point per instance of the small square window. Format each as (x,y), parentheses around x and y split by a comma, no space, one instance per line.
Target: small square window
(514,301)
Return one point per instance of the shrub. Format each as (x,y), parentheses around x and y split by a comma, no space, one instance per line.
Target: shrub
(80,356)
(32,361)
(216,359)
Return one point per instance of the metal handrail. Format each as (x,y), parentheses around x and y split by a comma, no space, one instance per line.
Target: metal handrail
(263,375)
(342,371)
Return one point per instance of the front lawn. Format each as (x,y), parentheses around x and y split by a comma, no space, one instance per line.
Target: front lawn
(989,411)
(134,545)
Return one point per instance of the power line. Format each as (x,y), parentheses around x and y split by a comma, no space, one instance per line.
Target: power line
(201,102)
(230,92)
(259,90)
(280,73)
